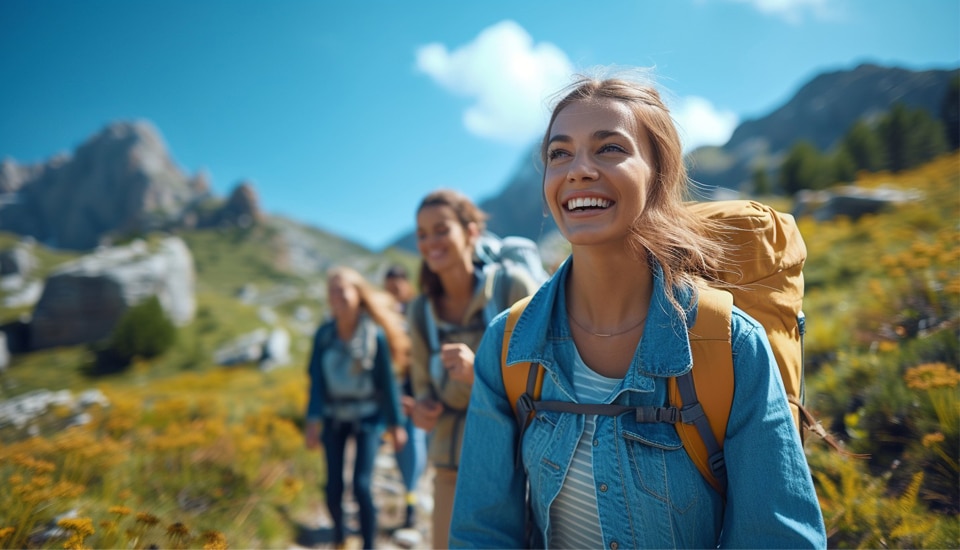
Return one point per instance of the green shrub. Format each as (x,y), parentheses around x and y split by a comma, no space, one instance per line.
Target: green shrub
(143,331)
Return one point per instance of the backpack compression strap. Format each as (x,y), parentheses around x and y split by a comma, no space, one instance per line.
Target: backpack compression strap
(701,426)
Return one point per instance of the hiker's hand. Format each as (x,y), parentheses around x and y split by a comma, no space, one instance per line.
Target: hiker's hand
(425,414)
(458,360)
(407,403)
(311,435)
(399,436)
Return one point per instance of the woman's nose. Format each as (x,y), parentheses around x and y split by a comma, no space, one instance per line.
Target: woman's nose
(581,168)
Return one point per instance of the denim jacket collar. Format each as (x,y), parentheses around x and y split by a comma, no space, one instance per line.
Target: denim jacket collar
(664,349)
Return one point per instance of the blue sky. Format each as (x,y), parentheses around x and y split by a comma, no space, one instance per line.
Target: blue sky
(344,114)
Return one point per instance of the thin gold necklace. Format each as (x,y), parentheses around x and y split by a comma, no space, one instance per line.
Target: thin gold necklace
(602,335)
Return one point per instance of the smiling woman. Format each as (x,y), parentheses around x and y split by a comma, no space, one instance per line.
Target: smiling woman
(459,298)
(610,329)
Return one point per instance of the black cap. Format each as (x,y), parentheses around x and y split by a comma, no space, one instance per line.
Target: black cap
(396,272)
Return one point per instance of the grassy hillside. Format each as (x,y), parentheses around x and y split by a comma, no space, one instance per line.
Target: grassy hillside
(188,454)
(883,311)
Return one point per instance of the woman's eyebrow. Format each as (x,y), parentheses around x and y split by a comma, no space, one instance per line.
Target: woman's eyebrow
(599,135)
(604,134)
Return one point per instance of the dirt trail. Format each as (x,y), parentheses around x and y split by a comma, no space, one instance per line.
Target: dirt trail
(388,493)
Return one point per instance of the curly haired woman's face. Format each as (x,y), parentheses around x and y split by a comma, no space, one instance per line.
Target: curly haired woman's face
(597,171)
(442,240)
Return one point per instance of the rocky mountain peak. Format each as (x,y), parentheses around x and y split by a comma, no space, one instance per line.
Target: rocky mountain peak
(120,181)
(242,207)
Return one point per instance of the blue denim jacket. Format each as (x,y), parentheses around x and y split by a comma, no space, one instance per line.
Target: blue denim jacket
(649,492)
(386,400)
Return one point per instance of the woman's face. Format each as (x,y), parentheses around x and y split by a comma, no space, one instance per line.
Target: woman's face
(342,295)
(444,242)
(597,171)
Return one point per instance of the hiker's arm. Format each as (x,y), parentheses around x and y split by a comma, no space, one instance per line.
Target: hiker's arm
(771,500)
(419,355)
(489,507)
(314,412)
(386,383)
(317,382)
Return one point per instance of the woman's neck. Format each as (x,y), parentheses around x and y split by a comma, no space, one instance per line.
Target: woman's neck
(346,323)
(608,290)
(458,288)
(458,283)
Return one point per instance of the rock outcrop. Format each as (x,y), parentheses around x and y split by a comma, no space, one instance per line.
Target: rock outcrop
(849,201)
(83,300)
(18,260)
(121,181)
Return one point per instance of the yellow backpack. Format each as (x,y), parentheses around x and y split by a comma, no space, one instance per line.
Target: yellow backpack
(766,263)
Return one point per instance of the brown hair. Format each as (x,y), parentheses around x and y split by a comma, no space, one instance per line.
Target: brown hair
(467,212)
(680,241)
(382,308)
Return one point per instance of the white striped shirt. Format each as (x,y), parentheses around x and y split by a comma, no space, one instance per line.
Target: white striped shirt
(574,522)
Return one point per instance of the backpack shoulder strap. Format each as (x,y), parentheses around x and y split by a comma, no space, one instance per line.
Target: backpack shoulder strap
(712,368)
(515,377)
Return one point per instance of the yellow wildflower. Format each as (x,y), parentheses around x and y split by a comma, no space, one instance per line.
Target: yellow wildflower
(119,510)
(6,532)
(80,526)
(930,440)
(931,375)
(178,530)
(214,540)
(147,519)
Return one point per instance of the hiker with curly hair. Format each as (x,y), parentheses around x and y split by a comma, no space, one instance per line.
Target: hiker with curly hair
(459,297)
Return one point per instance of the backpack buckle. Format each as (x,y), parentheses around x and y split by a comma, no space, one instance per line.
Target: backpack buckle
(525,406)
(648,415)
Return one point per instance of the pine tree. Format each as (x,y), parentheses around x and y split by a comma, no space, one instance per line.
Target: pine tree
(864,147)
(950,113)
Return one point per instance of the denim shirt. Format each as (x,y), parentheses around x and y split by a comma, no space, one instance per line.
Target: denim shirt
(649,493)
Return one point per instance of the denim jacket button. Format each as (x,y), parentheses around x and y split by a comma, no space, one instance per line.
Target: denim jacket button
(596,442)
(614,545)
(603,489)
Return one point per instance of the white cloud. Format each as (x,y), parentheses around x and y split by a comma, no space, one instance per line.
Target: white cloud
(700,123)
(508,77)
(792,11)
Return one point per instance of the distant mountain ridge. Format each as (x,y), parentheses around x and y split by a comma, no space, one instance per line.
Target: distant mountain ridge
(122,180)
(821,111)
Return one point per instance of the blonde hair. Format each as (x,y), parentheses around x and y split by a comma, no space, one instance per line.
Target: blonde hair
(382,308)
(683,243)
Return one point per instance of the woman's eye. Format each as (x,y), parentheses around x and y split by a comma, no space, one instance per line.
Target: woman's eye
(612,148)
(555,153)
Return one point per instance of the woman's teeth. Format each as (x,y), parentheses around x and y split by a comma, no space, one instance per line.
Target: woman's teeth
(591,202)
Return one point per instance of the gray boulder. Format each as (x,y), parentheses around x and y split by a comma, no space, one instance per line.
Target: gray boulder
(849,201)
(18,260)
(83,300)
(4,353)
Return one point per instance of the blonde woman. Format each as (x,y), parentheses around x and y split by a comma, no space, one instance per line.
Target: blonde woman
(353,392)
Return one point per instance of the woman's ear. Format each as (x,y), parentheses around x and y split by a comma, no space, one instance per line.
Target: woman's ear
(473,232)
